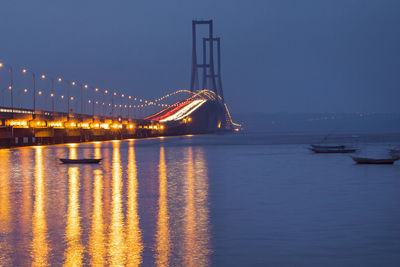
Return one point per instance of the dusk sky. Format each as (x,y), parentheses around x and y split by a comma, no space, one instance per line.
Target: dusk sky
(281,55)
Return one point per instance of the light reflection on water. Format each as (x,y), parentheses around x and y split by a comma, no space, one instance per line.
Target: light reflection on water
(73,215)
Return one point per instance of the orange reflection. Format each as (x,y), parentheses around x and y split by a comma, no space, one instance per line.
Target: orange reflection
(97,150)
(116,239)
(134,235)
(5,208)
(74,250)
(197,236)
(163,235)
(97,248)
(190,215)
(72,151)
(40,247)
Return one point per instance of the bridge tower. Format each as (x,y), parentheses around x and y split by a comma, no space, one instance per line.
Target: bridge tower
(208,75)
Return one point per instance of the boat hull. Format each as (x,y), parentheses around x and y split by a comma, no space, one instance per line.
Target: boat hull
(80,161)
(359,160)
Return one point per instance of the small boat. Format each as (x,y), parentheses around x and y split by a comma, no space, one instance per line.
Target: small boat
(333,150)
(81,161)
(327,146)
(363,160)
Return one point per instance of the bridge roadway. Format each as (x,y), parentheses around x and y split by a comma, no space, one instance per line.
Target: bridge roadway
(24,127)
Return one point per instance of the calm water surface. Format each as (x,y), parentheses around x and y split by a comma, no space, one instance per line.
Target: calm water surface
(196,201)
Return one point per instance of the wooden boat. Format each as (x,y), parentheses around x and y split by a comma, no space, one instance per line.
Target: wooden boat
(363,160)
(327,146)
(333,150)
(81,161)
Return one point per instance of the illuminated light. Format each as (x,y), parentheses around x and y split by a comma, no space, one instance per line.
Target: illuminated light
(73,83)
(219,125)
(52,95)
(115,93)
(106,91)
(86,86)
(23,70)
(134,99)
(115,125)
(236,129)
(18,123)
(130,97)
(56,124)
(59,80)
(62,97)
(96,89)
(72,98)
(120,105)
(109,105)
(43,76)
(25,90)
(84,125)
(161,127)
(105,126)
(189,119)
(38,123)
(120,126)
(10,87)
(131,126)
(185,111)
(125,106)
(97,102)
(89,101)
(40,92)
(150,127)
(140,100)
(122,95)
(1,64)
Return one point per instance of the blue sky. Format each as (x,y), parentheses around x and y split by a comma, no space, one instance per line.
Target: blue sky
(281,55)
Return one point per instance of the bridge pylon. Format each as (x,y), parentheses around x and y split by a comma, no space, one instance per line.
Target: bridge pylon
(209,76)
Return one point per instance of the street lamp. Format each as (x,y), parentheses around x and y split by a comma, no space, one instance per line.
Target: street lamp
(52,92)
(24,71)
(10,87)
(104,107)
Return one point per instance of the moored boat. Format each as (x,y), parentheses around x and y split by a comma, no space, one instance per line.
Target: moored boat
(333,150)
(327,146)
(364,160)
(80,161)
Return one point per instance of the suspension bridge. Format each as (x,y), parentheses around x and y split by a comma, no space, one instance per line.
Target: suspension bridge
(71,111)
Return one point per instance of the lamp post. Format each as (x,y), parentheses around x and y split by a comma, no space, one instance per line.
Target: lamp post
(10,87)
(93,100)
(24,71)
(67,89)
(112,104)
(104,106)
(129,104)
(51,93)
(121,106)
